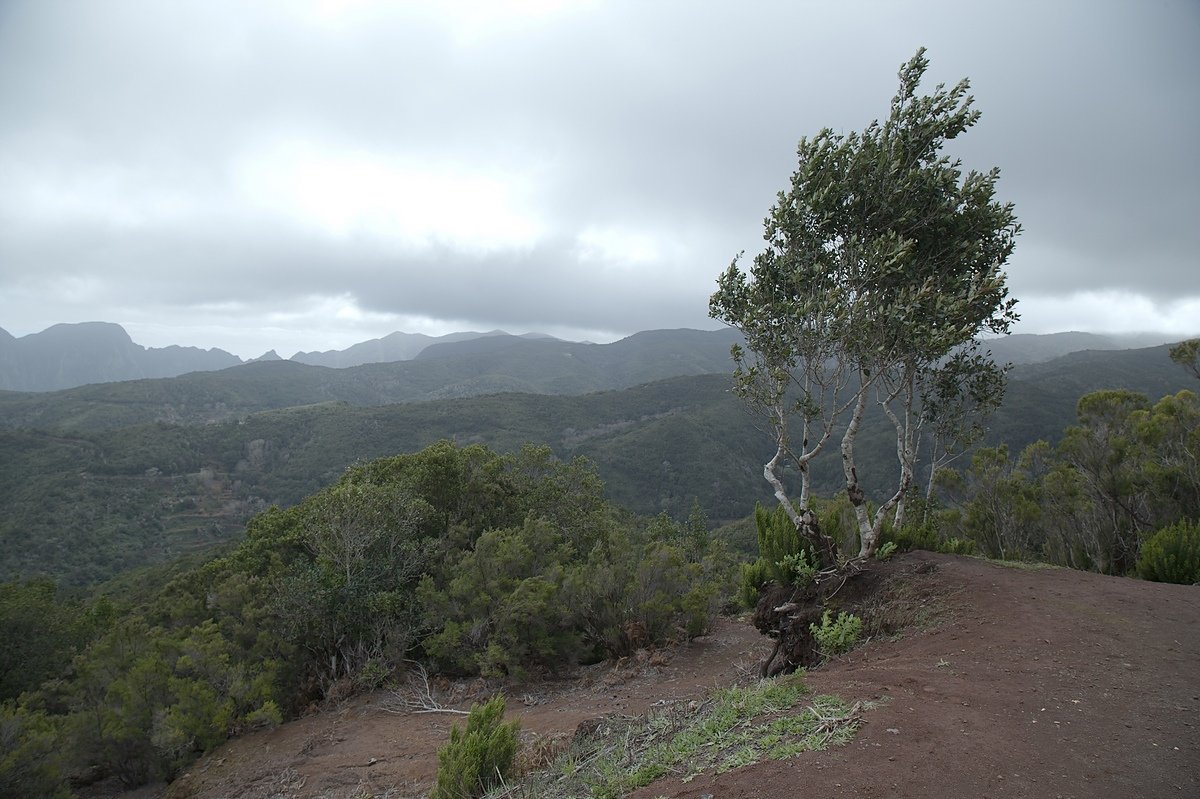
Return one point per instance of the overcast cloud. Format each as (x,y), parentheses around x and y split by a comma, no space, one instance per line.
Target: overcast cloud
(306,175)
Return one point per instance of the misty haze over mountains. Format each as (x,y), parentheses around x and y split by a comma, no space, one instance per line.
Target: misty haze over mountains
(69,355)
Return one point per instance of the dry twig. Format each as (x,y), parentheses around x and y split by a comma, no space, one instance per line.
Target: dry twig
(418,698)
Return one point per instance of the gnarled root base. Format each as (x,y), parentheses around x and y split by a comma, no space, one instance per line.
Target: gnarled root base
(785,613)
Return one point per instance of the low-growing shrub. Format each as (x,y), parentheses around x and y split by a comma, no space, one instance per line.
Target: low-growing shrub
(478,758)
(1172,555)
(752,578)
(957,546)
(777,539)
(799,568)
(835,637)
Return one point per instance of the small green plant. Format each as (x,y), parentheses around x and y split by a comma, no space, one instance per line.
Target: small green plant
(957,546)
(478,758)
(835,637)
(371,675)
(752,577)
(777,539)
(886,551)
(799,568)
(1172,555)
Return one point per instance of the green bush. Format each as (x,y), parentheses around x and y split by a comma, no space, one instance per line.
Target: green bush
(752,577)
(477,759)
(914,536)
(800,569)
(836,637)
(957,546)
(837,520)
(777,539)
(1172,555)
(30,754)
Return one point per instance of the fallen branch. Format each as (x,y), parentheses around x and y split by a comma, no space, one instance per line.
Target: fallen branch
(828,725)
(419,698)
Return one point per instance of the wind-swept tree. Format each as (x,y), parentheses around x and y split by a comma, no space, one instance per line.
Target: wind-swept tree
(884,265)
(1187,355)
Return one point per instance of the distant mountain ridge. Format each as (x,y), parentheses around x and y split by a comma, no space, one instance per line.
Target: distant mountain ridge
(393,347)
(68,355)
(88,489)
(476,367)
(1028,348)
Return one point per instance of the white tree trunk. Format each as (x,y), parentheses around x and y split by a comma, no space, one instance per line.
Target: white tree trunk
(858,498)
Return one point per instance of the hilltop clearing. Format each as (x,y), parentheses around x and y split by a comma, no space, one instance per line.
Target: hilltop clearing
(1029,682)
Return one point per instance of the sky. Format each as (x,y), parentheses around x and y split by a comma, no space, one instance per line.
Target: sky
(308,174)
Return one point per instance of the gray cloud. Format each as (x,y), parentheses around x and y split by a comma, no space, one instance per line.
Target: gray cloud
(236,166)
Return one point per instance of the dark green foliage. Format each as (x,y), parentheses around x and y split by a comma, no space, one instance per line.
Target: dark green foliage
(40,634)
(836,518)
(481,562)
(1126,468)
(1172,555)
(543,597)
(479,757)
(777,539)
(500,610)
(752,577)
(30,754)
(1187,355)
(144,700)
(81,506)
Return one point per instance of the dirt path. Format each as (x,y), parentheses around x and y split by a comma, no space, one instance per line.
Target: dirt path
(362,747)
(1047,683)
(1041,683)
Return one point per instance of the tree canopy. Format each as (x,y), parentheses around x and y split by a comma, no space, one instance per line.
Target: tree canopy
(883,265)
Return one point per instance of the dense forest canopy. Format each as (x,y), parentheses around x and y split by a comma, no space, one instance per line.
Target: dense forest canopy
(471,561)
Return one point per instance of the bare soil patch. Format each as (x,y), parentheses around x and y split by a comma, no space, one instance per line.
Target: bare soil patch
(1007,682)
(1044,683)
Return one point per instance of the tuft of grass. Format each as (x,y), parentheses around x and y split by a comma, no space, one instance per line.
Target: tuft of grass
(735,727)
(1022,565)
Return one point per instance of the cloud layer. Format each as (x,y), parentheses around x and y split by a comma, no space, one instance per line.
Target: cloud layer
(305,175)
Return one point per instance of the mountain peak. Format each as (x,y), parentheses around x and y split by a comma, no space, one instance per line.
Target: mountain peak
(67,355)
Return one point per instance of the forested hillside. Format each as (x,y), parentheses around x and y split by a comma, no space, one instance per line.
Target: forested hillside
(84,506)
(501,566)
(486,365)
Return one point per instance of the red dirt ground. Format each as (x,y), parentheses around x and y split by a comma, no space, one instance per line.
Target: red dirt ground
(1037,683)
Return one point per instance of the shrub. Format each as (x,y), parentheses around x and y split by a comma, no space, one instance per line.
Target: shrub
(371,675)
(838,522)
(777,539)
(914,536)
(478,758)
(752,578)
(1172,555)
(799,568)
(835,637)
(957,546)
